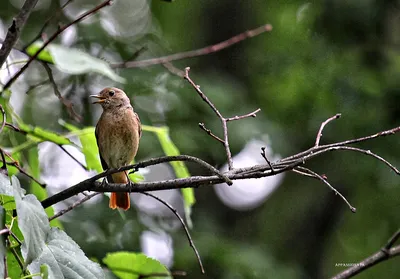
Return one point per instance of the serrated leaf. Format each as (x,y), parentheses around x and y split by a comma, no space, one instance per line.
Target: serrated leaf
(33,223)
(74,61)
(65,259)
(128,265)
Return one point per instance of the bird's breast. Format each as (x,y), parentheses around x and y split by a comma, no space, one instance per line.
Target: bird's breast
(118,137)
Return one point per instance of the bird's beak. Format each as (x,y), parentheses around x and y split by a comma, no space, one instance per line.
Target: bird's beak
(101,99)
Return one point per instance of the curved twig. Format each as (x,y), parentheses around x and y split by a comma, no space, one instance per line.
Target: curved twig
(170,207)
(319,177)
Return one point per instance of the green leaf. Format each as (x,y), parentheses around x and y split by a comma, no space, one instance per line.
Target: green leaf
(76,62)
(44,271)
(128,265)
(44,55)
(89,146)
(39,134)
(33,223)
(50,246)
(36,189)
(7,202)
(65,259)
(180,169)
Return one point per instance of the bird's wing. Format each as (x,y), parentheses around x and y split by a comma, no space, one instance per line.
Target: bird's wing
(103,163)
(139,124)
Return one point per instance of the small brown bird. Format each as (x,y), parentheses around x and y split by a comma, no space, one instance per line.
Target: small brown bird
(117,133)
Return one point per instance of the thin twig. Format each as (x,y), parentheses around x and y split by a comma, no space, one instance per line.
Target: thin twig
(195,53)
(67,103)
(266,159)
(15,163)
(69,208)
(170,207)
(174,70)
(52,38)
(208,131)
(371,260)
(391,241)
(221,118)
(15,30)
(3,122)
(319,135)
(237,117)
(319,177)
(72,157)
(46,23)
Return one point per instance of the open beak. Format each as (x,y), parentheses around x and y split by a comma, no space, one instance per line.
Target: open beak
(101,99)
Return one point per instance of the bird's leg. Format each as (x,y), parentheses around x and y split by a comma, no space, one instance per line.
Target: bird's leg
(103,183)
(130,183)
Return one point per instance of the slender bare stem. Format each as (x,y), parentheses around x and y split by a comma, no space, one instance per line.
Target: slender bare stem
(76,204)
(170,207)
(319,135)
(194,53)
(238,117)
(67,103)
(372,260)
(324,180)
(208,131)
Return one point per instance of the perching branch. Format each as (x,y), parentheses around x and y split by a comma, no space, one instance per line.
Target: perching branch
(387,252)
(257,171)
(15,30)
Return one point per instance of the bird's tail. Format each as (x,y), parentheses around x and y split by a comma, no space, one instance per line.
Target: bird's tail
(120,200)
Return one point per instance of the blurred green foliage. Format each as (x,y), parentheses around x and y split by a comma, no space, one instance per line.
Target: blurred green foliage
(321,58)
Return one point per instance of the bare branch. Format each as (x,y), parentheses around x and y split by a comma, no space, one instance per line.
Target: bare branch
(256,171)
(15,163)
(52,38)
(266,159)
(67,103)
(170,207)
(372,260)
(15,30)
(72,157)
(324,180)
(76,204)
(208,131)
(251,114)
(319,135)
(222,119)
(3,122)
(39,34)
(194,53)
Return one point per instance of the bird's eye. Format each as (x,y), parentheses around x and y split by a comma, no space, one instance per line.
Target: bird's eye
(111,93)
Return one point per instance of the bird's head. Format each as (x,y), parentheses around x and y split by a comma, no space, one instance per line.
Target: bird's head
(111,97)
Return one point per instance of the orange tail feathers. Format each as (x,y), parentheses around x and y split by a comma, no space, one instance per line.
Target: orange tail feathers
(120,200)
